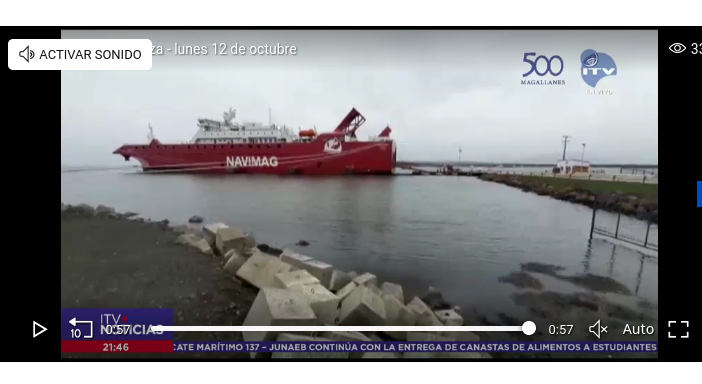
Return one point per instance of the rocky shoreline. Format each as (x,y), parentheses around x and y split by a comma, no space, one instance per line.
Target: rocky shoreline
(315,292)
(633,205)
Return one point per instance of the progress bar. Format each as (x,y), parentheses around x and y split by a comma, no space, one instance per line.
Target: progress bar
(528,328)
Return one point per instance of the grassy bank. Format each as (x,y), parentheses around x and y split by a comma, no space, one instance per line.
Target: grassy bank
(633,199)
(592,186)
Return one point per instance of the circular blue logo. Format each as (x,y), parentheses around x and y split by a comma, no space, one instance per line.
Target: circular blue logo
(589,58)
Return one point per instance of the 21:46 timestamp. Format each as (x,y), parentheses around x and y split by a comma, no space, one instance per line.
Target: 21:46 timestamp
(109,347)
(560,329)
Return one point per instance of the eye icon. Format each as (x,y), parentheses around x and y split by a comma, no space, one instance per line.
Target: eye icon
(677,48)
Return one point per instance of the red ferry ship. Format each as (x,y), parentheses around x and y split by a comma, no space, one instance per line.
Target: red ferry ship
(229,147)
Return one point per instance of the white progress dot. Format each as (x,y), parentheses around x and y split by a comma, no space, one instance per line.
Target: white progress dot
(529,328)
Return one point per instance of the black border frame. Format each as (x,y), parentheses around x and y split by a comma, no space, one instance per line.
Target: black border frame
(33,90)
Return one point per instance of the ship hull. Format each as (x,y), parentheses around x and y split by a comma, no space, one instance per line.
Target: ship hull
(311,158)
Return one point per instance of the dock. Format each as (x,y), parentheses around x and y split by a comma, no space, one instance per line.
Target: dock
(443,171)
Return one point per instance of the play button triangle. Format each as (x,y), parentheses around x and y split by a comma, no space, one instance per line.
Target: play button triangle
(41,327)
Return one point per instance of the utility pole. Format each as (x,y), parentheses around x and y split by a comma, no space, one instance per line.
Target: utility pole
(459,155)
(565,144)
(583,158)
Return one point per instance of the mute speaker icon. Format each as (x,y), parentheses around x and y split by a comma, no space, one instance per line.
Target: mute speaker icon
(26,54)
(596,329)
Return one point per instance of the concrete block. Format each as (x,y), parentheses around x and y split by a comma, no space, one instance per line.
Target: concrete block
(209,232)
(318,269)
(425,316)
(362,307)
(234,261)
(375,289)
(423,336)
(187,239)
(339,279)
(322,301)
(366,279)
(449,317)
(253,268)
(248,252)
(293,258)
(229,254)
(230,238)
(249,245)
(397,314)
(260,270)
(300,277)
(307,354)
(203,246)
(273,267)
(343,292)
(249,240)
(255,251)
(435,300)
(277,307)
(381,355)
(393,290)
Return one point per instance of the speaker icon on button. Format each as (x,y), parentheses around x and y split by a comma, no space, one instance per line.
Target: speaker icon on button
(27,54)
(596,329)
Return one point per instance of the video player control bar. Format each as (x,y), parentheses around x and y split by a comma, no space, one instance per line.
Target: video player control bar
(528,328)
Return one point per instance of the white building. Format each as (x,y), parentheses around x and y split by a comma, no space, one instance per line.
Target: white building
(572,166)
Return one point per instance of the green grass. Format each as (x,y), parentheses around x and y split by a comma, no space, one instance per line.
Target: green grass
(595,186)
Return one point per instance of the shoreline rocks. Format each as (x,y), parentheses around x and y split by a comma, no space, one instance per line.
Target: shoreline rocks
(435,300)
(295,289)
(196,219)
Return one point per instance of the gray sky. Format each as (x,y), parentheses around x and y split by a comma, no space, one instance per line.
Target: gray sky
(436,89)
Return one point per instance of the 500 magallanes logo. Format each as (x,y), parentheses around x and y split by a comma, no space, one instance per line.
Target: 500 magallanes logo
(541,66)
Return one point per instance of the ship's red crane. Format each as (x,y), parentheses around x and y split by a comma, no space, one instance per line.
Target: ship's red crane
(351,122)
(386,132)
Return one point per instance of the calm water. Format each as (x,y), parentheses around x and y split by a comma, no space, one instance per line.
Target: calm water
(456,233)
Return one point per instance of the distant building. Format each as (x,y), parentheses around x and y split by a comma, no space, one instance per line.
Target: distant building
(572,166)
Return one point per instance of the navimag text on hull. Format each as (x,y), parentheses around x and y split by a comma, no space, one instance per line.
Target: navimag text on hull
(229,147)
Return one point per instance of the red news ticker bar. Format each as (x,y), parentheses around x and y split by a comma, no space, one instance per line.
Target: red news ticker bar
(125,346)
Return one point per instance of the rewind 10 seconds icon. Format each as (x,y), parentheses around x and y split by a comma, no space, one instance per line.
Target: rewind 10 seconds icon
(696,49)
